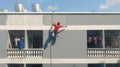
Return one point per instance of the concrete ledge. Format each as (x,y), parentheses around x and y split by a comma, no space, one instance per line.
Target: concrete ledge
(70,27)
(61,61)
(60,13)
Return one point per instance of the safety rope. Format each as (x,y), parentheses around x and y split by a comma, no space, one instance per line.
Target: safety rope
(52,19)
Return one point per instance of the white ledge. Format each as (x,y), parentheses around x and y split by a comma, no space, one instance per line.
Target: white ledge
(70,27)
(61,61)
(60,13)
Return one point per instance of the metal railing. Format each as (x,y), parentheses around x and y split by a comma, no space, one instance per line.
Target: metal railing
(103,52)
(24,53)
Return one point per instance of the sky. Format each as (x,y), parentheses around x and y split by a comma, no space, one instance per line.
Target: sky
(66,5)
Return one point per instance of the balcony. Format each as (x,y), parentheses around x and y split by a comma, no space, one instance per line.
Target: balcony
(24,53)
(103,52)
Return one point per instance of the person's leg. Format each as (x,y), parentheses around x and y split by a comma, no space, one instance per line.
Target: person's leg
(61,30)
(56,34)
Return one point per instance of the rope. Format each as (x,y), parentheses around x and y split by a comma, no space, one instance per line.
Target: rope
(65,21)
(52,18)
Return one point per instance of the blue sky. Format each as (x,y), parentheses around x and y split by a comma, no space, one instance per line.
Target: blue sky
(66,5)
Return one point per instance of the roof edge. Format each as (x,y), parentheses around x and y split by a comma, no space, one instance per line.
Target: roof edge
(65,13)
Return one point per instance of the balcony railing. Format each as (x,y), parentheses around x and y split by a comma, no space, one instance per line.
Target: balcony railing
(24,53)
(103,52)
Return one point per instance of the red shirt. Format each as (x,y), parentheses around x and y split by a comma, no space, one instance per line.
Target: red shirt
(57,27)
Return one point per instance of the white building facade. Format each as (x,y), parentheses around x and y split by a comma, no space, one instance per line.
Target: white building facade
(90,40)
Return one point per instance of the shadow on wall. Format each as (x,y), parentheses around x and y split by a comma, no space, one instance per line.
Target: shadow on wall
(50,39)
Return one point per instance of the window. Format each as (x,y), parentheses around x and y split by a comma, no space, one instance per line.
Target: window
(35,38)
(112,38)
(16,38)
(112,65)
(95,65)
(34,65)
(15,65)
(22,65)
(94,39)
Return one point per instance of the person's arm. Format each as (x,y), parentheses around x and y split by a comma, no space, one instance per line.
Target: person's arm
(63,26)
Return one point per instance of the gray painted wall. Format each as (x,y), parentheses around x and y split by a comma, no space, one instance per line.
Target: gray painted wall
(3,45)
(3,65)
(69,44)
(84,19)
(21,20)
(77,19)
